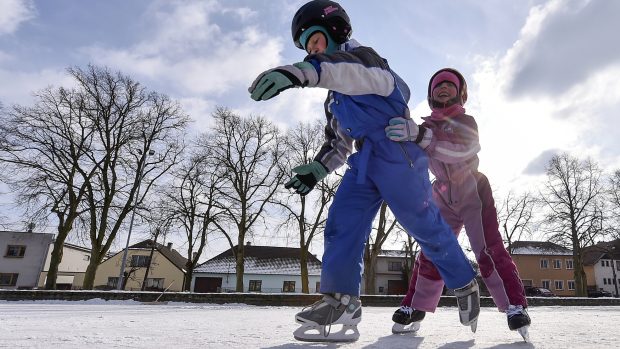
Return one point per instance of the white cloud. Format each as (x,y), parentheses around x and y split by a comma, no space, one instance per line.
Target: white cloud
(13,13)
(189,51)
(30,81)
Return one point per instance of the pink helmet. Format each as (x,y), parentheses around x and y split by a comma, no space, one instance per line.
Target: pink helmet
(453,76)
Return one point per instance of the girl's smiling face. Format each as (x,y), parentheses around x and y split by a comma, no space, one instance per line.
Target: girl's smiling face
(444,92)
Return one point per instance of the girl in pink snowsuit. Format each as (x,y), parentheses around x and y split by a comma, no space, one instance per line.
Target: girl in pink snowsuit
(464,197)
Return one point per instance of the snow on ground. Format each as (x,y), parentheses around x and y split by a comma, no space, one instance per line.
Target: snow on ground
(128,324)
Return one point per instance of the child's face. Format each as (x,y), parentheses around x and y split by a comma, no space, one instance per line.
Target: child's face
(444,92)
(316,43)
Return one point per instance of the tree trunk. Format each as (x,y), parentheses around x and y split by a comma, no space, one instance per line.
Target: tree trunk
(239,268)
(148,267)
(303,260)
(52,273)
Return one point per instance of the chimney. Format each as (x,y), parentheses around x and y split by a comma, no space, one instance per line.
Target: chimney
(248,243)
(169,246)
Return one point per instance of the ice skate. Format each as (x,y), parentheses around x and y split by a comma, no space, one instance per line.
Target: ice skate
(519,320)
(321,322)
(468,299)
(407,320)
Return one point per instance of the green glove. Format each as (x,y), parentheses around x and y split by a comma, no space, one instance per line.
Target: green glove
(307,177)
(271,82)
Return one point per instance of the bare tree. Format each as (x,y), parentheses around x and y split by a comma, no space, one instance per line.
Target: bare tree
(50,147)
(516,216)
(130,125)
(306,214)
(248,152)
(572,195)
(386,224)
(192,201)
(613,199)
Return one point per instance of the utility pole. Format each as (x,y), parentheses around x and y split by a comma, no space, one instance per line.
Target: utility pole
(121,274)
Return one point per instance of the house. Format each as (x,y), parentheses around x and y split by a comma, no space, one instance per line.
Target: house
(166,268)
(390,275)
(267,269)
(71,269)
(22,257)
(602,266)
(545,264)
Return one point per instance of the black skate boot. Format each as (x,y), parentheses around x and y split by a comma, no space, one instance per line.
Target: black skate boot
(468,299)
(331,310)
(519,320)
(407,319)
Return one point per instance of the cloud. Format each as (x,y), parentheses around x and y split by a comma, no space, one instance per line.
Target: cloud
(199,48)
(13,13)
(562,44)
(539,164)
(30,81)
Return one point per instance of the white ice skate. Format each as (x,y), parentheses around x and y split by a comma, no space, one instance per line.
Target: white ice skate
(519,320)
(332,319)
(468,299)
(407,320)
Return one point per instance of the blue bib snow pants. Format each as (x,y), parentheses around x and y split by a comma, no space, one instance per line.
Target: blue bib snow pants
(396,173)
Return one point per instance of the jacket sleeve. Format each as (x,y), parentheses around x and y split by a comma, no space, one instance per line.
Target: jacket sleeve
(461,145)
(360,71)
(338,144)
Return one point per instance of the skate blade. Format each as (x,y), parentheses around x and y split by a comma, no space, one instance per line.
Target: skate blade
(474,326)
(401,329)
(525,333)
(316,333)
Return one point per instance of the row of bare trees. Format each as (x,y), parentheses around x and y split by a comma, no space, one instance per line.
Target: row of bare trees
(87,157)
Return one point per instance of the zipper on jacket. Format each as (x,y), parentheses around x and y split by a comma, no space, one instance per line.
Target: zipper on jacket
(407,157)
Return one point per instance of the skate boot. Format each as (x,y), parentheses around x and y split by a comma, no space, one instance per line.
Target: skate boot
(519,320)
(319,322)
(407,319)
(468,299)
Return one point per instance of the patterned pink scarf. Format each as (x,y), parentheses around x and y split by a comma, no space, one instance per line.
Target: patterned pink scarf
(447,112)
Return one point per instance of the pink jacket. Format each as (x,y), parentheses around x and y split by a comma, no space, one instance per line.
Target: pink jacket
(453,147)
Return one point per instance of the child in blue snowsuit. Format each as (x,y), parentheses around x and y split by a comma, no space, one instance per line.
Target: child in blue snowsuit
(364,94)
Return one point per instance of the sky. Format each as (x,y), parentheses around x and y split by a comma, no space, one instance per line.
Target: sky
(542,75)
(129,324)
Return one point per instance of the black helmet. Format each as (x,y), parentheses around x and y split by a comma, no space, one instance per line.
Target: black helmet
(327,14)
(461,96)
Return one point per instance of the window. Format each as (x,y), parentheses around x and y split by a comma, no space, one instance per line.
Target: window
(617,265)
(544,264)
(395,266)
(559,284)
(15,251)
(154,283)
(113,282)
(569,264)
(602,263)
(318,287)
(289,286)
(86,257)
(545,284)
(140,261)
(8,279)
(571,285)
(604,281)
(557,264)
(255,285)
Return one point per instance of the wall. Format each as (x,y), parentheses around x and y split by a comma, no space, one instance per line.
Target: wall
(529,269)
(30,265)
(270,283)
(161,267)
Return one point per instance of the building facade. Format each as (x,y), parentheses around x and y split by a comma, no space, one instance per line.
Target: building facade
(166,268)
(391,273)
(71,269)
(267,269)
(602,266)
(22,258)
(545,264)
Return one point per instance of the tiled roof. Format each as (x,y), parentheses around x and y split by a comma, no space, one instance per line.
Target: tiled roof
(539,248)
(602,250)
(172,254)
(261,260)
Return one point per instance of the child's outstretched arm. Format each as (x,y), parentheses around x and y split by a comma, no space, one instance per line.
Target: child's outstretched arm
(357,72)
(270,83)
